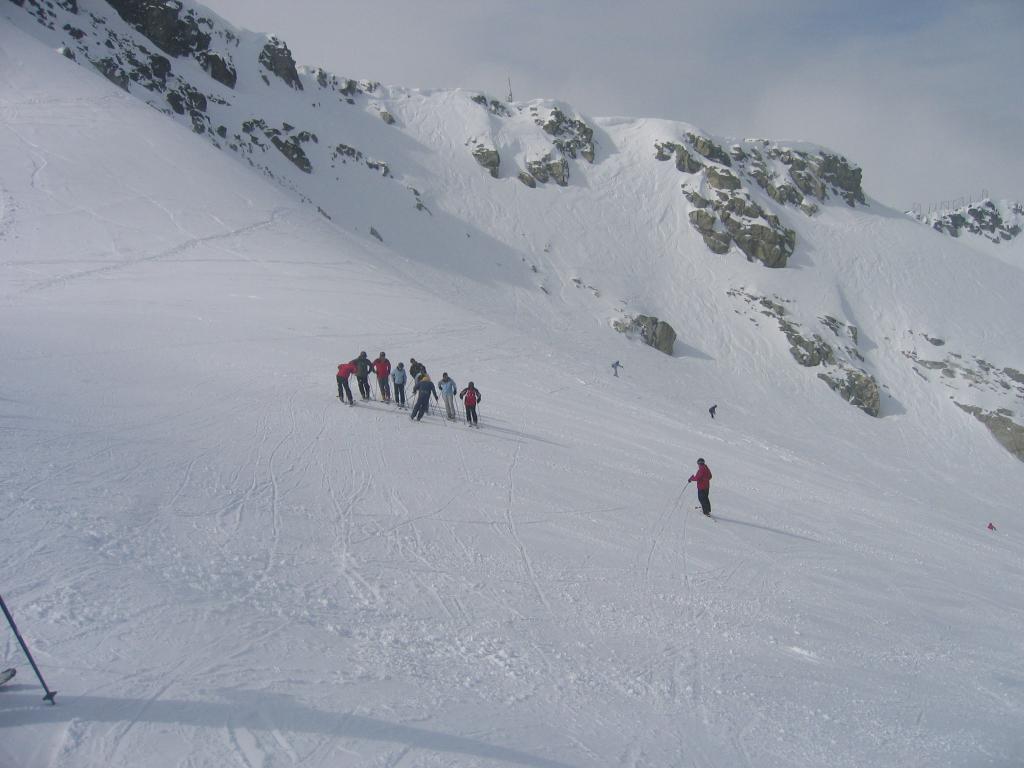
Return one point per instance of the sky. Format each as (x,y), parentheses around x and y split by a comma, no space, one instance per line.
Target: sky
(923,95)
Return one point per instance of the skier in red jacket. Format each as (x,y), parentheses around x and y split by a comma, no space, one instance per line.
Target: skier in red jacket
(703,479)
(382,367)
(344,371)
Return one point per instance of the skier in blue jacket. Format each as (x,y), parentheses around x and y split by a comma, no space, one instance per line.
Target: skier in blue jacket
(399,378)
(448,390)
(423,390)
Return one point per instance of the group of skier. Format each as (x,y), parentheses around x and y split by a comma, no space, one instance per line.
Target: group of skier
(423,387)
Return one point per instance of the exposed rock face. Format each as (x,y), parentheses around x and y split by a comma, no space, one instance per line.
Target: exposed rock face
(547,168)
(162,22)
(527,179)
(654,332)
(998,223)
(287,143)
(706,147)
(842,374)
(685,162)
(1009,433)
(731,216)
(387,117)
(488,157)
(493,106)
(573,136)
(277,58)
(967,375)
(857,388)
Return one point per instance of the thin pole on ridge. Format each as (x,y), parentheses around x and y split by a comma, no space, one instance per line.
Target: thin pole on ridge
(10,620)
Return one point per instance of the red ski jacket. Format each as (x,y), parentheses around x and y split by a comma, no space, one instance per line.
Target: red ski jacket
(702,477)
(382,368)
(345,370)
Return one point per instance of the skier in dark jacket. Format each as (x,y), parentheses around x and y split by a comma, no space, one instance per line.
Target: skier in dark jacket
(471,396)
(415,369)
(382,367)
(398,376)
(703,479)
(344,371)
(423,390)
(363,368)
(712,410)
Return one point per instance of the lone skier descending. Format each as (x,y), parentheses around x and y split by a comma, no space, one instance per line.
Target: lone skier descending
(712,410)
(703,479)
(423,390)
(615,368)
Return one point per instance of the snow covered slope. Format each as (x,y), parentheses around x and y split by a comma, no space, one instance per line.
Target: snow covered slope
(216,563)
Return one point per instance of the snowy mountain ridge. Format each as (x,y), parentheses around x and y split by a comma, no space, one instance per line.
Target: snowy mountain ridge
(216,563)
(401,166)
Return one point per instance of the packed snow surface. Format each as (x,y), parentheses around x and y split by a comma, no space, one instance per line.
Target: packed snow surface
(216,563)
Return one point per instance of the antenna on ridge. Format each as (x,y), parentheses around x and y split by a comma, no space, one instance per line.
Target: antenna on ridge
(509,89)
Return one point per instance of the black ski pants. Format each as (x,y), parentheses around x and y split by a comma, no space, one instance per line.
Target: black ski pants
(705,502)
(400,394)
(385,390)
(422,406)
(343,389)
(364,386)
(471,414)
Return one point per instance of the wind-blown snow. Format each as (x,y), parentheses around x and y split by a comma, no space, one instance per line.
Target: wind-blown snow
(216,563)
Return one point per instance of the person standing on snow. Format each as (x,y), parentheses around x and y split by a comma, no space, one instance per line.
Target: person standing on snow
(382,367)
(471,396)
(712,410)
(363,368)
(398,376)
(423,390)
(415,369)
(448,390)
(703,479)
(344,371)
(615,368)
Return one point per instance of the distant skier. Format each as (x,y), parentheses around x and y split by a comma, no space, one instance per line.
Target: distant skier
(344,371)
(448,390)
(415,369)
(363,368)
(712,410)
(399,378)
(703,479)
(615,368)
(382,367)
(423,390)
(471,396)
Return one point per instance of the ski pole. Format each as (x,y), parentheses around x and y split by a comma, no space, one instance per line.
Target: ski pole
(10,620)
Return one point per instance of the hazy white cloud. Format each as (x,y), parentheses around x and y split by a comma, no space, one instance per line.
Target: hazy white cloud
(924,94)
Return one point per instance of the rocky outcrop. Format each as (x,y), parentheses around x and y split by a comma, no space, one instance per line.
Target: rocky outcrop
(547,168)
(572,136)
(732,217)
(277,58)
(707,148)
(488,158)
(1004,429)
(842,373)
(527,179)
(856,387)
(996,222)
(685,162)
(284,140)
(493,106)
(652,331)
